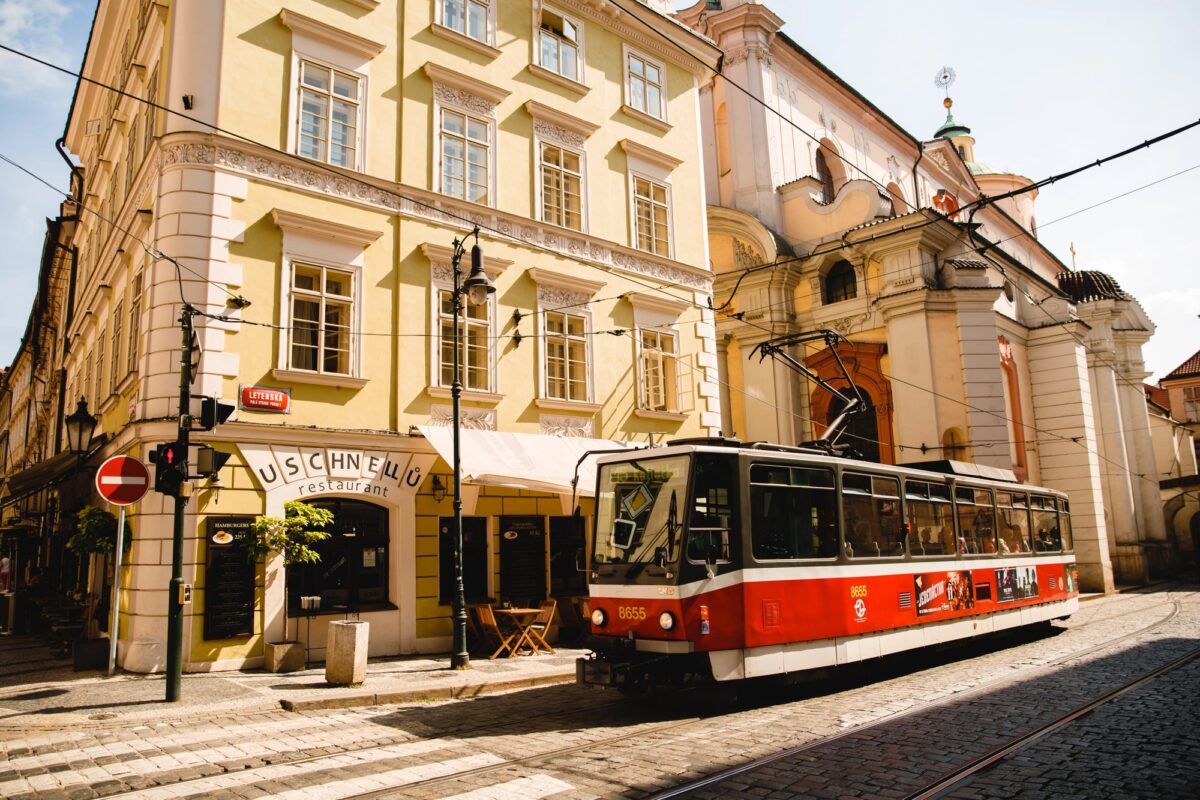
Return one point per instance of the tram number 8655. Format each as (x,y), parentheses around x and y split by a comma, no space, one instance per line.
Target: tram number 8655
(631,612)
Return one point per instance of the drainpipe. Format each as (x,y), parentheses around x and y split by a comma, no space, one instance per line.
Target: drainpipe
(916,180)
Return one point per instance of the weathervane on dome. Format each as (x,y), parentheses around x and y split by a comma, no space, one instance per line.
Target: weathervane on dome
(943,79)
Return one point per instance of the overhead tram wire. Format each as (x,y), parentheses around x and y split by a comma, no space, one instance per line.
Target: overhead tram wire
(324,167)
(327,168)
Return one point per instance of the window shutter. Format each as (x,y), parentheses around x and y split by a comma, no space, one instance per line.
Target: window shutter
(686,379)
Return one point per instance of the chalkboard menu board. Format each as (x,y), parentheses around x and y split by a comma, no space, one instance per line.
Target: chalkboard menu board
(229,579)
(523,559)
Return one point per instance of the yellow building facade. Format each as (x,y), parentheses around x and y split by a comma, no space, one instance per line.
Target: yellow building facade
(301,184)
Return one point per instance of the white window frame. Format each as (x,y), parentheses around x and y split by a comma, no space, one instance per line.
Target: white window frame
(628,79)
(566,338)
(320,297)
(1191,405)
(489,9)
(668,365)
(324,243)
(439,115)
(359,162)
(635,239)
(654,313)
(326,46)
(466,323)
(135,321)
(540,143)
(580,61)
(115,355)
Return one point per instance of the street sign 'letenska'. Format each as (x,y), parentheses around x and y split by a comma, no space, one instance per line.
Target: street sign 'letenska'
(122,480)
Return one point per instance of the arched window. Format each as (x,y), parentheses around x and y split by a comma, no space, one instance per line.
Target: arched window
(840,283)
(825,177)
(953,446)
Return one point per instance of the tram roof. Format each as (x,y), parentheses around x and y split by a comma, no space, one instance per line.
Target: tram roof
(959,469)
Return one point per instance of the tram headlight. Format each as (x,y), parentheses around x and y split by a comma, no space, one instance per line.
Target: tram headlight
(666,620)
(599,618)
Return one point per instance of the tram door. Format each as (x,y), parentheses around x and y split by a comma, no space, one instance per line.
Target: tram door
(523,559)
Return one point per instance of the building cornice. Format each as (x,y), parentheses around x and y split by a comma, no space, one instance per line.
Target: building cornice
(298,23)
(262,164)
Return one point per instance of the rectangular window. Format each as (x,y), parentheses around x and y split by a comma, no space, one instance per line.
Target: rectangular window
(322,302)
(1191,404)
(658,368)
(474,355)
(114,370)
(135,323)
(793,512)
(930,521)
(1012,512)
(651,215)
(101,340)
(566,356)
(468,17)
(645,85)
(352,572)
(465,145)
(976,520)
(131,163)
(559,44)
(562,181)
(872,525)
(328,120)
(151,111)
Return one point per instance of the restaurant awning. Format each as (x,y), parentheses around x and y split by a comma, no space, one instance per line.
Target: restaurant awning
(522,460)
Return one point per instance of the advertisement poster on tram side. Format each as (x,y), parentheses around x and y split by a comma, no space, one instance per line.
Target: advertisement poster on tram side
(943,591)
(1018,583)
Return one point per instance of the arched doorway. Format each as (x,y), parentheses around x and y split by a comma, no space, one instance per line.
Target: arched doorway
(863,362)
(861,431)
(352,574)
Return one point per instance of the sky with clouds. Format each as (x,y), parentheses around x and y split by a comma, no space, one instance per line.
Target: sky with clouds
(1045,87)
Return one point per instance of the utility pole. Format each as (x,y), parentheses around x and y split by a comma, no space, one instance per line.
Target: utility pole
(175,591)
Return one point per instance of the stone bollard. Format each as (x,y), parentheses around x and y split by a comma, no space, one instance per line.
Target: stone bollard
(346,652)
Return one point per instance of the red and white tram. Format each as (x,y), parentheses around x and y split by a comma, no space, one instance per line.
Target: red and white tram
(717,560)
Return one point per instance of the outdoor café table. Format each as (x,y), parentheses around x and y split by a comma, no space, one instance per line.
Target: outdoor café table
(522,618)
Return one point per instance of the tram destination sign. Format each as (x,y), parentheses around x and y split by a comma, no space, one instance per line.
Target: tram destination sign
(265,398)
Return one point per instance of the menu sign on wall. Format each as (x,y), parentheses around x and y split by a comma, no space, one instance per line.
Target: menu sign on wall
(229,579)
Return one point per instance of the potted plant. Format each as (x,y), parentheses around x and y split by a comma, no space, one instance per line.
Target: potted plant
(95,534)
(292,536)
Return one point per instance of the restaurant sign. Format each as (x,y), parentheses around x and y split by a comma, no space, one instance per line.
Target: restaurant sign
(265,398)
(301,472)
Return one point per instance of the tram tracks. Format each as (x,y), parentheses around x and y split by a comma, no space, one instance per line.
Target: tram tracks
(585,740)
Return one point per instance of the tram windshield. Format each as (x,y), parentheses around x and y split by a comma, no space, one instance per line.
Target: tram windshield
(640,509)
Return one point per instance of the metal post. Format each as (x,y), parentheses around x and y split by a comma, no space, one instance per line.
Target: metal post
(116,593)
(460,658)
(174,607)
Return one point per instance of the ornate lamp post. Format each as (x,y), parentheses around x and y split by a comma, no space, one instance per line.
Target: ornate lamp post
(477,287)
(80,427)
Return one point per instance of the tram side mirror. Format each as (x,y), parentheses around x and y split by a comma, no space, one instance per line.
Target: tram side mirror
(623,532)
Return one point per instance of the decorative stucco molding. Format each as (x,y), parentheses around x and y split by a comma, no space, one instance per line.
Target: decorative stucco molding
(570,427)
(472,419)
(420,204)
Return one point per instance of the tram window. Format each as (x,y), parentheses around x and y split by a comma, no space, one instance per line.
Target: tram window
(871,514)
(712,514)
(1064,519)
(930,521)
(1013,513)
(793,512)
(977,530)
(1045,525)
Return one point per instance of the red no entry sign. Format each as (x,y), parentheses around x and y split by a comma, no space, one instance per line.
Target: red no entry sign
(122,480)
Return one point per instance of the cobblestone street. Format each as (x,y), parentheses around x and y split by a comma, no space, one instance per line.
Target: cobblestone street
(936,710)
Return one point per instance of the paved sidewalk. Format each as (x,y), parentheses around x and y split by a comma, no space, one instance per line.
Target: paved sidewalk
(37,691)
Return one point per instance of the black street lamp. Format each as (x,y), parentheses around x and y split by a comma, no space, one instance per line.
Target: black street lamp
(80,427)
(477,287)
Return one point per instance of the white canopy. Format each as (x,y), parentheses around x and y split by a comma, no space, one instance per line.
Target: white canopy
(522,460)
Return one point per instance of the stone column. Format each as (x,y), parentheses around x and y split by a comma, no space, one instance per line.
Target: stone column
(1069,461)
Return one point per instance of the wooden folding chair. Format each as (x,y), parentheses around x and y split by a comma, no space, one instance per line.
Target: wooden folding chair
(536,630)
(491,631)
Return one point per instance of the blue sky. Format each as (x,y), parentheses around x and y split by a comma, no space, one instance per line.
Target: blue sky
(1045,87)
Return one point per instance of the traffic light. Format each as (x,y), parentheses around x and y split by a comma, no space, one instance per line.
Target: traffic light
(170,467)
(209,461)
(213,412)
